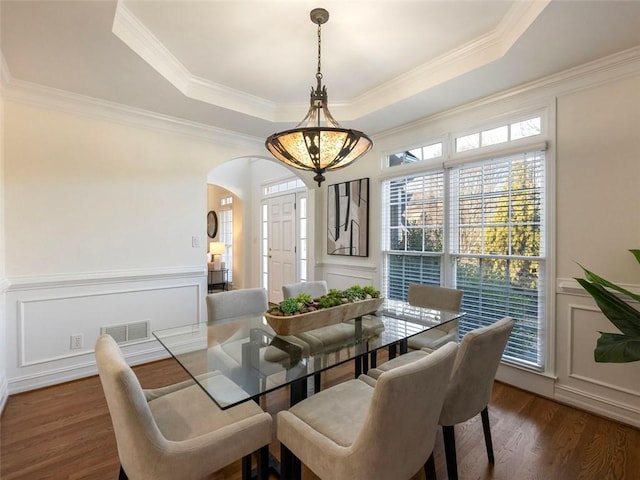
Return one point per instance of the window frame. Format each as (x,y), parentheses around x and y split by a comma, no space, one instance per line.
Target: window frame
(545,140)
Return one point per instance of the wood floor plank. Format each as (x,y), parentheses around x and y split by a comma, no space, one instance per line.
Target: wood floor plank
(65,432)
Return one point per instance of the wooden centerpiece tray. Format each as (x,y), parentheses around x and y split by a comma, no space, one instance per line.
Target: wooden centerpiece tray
(293,324)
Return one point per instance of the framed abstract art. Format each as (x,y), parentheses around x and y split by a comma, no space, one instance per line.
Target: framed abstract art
(348,218)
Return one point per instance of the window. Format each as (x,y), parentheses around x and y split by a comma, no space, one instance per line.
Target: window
(478,227)
(496,245)
(265,245)
(282,186)
(303,240)
(415,226)
(502,134)
(427,152)
(226,236)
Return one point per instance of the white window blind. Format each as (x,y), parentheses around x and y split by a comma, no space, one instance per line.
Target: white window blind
(413,235)
(496,241)
(478,227)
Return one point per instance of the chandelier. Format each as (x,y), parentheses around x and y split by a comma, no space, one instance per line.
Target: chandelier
(316,147)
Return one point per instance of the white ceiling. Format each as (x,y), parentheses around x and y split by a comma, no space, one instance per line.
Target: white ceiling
(248,66)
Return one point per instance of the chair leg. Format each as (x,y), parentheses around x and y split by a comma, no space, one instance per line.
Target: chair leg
(290,465)
(246,467)
(286,460)
(430,468)
(263,463)
(487,433)
(450,451)
(122,475)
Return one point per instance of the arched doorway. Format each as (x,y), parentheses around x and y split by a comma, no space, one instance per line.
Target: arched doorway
(252,191)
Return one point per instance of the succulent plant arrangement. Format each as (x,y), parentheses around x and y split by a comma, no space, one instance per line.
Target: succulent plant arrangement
(303,303)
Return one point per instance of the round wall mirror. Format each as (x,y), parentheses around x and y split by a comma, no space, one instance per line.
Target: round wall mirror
(212,224)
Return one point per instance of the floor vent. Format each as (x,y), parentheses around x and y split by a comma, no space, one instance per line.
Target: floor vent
(128,332)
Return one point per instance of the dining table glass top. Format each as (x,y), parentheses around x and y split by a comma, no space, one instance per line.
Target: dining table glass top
(242,358)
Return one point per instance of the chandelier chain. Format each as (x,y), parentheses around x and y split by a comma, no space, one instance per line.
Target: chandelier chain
(319,74)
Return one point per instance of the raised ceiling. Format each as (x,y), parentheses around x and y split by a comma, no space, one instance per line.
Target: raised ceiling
(248,66)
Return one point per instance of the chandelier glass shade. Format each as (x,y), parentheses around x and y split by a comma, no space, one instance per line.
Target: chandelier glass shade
(318,147)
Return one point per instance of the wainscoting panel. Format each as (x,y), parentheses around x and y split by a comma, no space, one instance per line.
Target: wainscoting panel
(585,325)
(609,389)
(47,324)
(52,326)
(341,276)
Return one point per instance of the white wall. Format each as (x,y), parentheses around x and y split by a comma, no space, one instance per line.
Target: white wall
(100,219)
(597,214)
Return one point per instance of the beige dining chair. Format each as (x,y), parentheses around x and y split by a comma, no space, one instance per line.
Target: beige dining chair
(236,303)
(227,355)
(316,289)
(354,431)
(469,390)
(439,298)
(177,431)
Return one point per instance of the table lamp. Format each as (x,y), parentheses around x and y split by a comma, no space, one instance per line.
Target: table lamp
(217,248)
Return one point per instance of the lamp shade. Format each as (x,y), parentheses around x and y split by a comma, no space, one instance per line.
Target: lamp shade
(318,149)
(217,248)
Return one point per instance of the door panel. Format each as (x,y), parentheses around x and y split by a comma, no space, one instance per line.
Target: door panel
(282,244)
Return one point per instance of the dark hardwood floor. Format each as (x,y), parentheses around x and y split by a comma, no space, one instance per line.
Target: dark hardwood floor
(64,432)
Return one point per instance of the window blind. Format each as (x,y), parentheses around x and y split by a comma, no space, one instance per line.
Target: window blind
(497,243)
(478,227)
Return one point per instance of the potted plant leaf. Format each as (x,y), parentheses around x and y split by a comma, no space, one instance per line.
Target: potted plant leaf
(615,347)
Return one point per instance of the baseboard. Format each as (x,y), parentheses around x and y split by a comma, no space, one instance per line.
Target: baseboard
(75,372)
(547,386)
(538,383)
(4,393)
(604,407)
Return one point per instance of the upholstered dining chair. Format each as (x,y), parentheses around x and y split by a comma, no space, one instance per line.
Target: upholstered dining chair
(227,356)
(353,430)
(177,431)
(236,303)
(316,289)
(469,390)
(440,298)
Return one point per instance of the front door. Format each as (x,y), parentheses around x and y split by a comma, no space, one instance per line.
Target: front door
(281,244)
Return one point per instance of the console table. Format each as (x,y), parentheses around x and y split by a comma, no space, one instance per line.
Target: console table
(217,279)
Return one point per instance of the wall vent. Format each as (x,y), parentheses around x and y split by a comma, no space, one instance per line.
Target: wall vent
(128,332)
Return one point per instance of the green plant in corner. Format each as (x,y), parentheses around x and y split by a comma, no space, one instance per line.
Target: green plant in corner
(615,347)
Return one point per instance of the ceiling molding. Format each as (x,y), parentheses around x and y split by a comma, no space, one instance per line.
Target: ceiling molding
(478,52)
(142,41)
(51,98)
(482,50)
(598,72)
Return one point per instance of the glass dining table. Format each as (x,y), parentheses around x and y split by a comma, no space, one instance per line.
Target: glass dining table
(242,358)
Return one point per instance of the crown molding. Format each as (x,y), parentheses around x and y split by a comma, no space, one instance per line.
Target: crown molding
(476,53)
(141,40)
(61,100)
(598,72)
